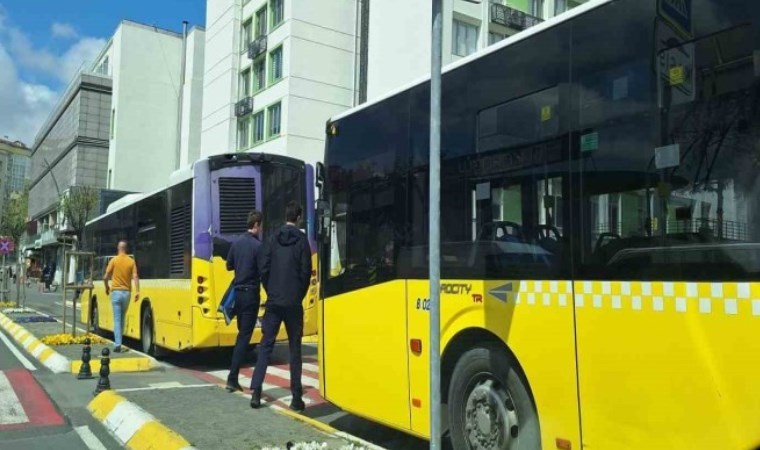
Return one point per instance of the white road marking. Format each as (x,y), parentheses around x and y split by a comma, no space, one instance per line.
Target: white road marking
(16,352)
(311,367)
(168,385)
(282,373)
(69,304)
(88,437)
(125,419)
(11,410)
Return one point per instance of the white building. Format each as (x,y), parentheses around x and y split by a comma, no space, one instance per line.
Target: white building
(145,66)
(275,72)
(399,43)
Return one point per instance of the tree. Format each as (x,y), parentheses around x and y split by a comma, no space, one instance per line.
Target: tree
(77,206)
(13,222)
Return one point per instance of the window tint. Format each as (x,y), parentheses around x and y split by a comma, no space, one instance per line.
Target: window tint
(261,22)
(278,12)
(671,195)
(246,35)
(244,133)
(281,184)
(259,73)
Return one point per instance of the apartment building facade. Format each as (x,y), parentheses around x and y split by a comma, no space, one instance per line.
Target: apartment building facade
(399,44)
(155,108)
(275,71)
(14,169)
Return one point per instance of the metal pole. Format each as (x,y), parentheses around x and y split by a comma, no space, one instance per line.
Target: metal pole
(434,225)
(181,93)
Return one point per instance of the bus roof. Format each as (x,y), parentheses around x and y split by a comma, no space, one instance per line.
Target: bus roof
(554,21)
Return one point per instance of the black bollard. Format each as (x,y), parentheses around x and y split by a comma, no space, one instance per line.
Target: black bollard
(104,383)
(289,445)
(85,371)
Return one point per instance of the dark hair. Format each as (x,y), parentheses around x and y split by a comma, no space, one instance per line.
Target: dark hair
(293,212)
(254,218)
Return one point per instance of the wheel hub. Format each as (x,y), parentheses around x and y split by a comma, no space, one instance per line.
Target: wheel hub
(490,418)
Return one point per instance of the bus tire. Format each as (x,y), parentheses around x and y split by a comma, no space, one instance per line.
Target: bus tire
(148,332)
(489,405)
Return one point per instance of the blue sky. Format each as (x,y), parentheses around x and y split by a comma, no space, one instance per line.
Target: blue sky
(44,42)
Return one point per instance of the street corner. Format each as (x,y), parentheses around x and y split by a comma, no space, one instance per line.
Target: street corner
(132,426)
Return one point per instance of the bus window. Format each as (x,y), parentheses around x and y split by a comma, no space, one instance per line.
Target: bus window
(679,202)
(281,184)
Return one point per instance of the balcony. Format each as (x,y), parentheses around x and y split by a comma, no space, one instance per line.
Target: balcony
(512,18)
(257,47)
(244,106)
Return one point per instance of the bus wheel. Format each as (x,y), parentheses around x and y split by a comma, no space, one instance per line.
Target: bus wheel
(489,406)
(147,332)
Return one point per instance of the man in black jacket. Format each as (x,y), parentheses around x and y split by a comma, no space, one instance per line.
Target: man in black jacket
(285,267)
(243,259)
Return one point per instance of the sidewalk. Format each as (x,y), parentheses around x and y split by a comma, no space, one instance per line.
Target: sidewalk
(29,329)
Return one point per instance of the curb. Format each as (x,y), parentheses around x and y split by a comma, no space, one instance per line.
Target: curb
(326,428)
(51,359)
(58,363)
(132,426)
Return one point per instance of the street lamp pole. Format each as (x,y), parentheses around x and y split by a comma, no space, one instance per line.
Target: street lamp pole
(434,225)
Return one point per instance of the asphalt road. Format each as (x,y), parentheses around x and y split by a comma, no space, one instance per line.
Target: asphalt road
(209,361)
(40,410)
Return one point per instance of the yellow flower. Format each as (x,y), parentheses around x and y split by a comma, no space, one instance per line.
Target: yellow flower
(67,339)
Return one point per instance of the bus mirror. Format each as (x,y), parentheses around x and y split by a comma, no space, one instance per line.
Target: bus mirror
(320,175)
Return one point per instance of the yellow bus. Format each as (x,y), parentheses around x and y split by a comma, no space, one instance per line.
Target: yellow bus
(600,237)
(180,236)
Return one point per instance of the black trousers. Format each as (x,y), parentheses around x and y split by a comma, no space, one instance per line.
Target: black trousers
(270,325)
(247,309)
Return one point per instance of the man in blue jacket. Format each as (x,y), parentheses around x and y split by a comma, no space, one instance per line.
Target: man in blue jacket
(243,259)
(285,267)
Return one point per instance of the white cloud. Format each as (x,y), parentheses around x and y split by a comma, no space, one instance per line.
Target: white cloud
(63,30)
(25,105)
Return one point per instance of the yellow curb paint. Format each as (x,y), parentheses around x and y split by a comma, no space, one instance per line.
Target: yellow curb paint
(34,346)
(310,339)
(102,405)
(308,420)
(155,436)
(117,365)
(45,354)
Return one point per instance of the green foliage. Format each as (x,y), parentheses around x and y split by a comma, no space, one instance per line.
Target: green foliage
(77,206)
(13,221)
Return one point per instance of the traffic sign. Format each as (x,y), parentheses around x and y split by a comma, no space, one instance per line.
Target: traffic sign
(6,246)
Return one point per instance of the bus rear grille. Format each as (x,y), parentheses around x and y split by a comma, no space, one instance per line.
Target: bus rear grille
(179,239)
(237,197)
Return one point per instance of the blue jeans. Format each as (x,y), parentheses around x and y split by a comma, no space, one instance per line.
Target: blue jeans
(120,302)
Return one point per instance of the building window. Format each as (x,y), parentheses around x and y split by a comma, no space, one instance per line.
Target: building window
(259,74)
(494,37)
(278,12)
(244,133)
(261,22)
(258,127)
(275,62)
(103,67)
(274,119)
(245,84)
(245,37)
(110,172)
(465,38)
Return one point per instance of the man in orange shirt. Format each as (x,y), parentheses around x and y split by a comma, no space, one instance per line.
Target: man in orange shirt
(122,270)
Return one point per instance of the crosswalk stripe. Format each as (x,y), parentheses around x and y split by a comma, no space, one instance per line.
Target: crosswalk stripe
(11,410)
(282,373)
(276,390)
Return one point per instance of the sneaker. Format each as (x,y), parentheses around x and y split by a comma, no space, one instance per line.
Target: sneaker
(233,387)
(120,349)
(256,399)
(297,404)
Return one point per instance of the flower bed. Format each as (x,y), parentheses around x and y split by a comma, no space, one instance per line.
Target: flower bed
(67,339)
